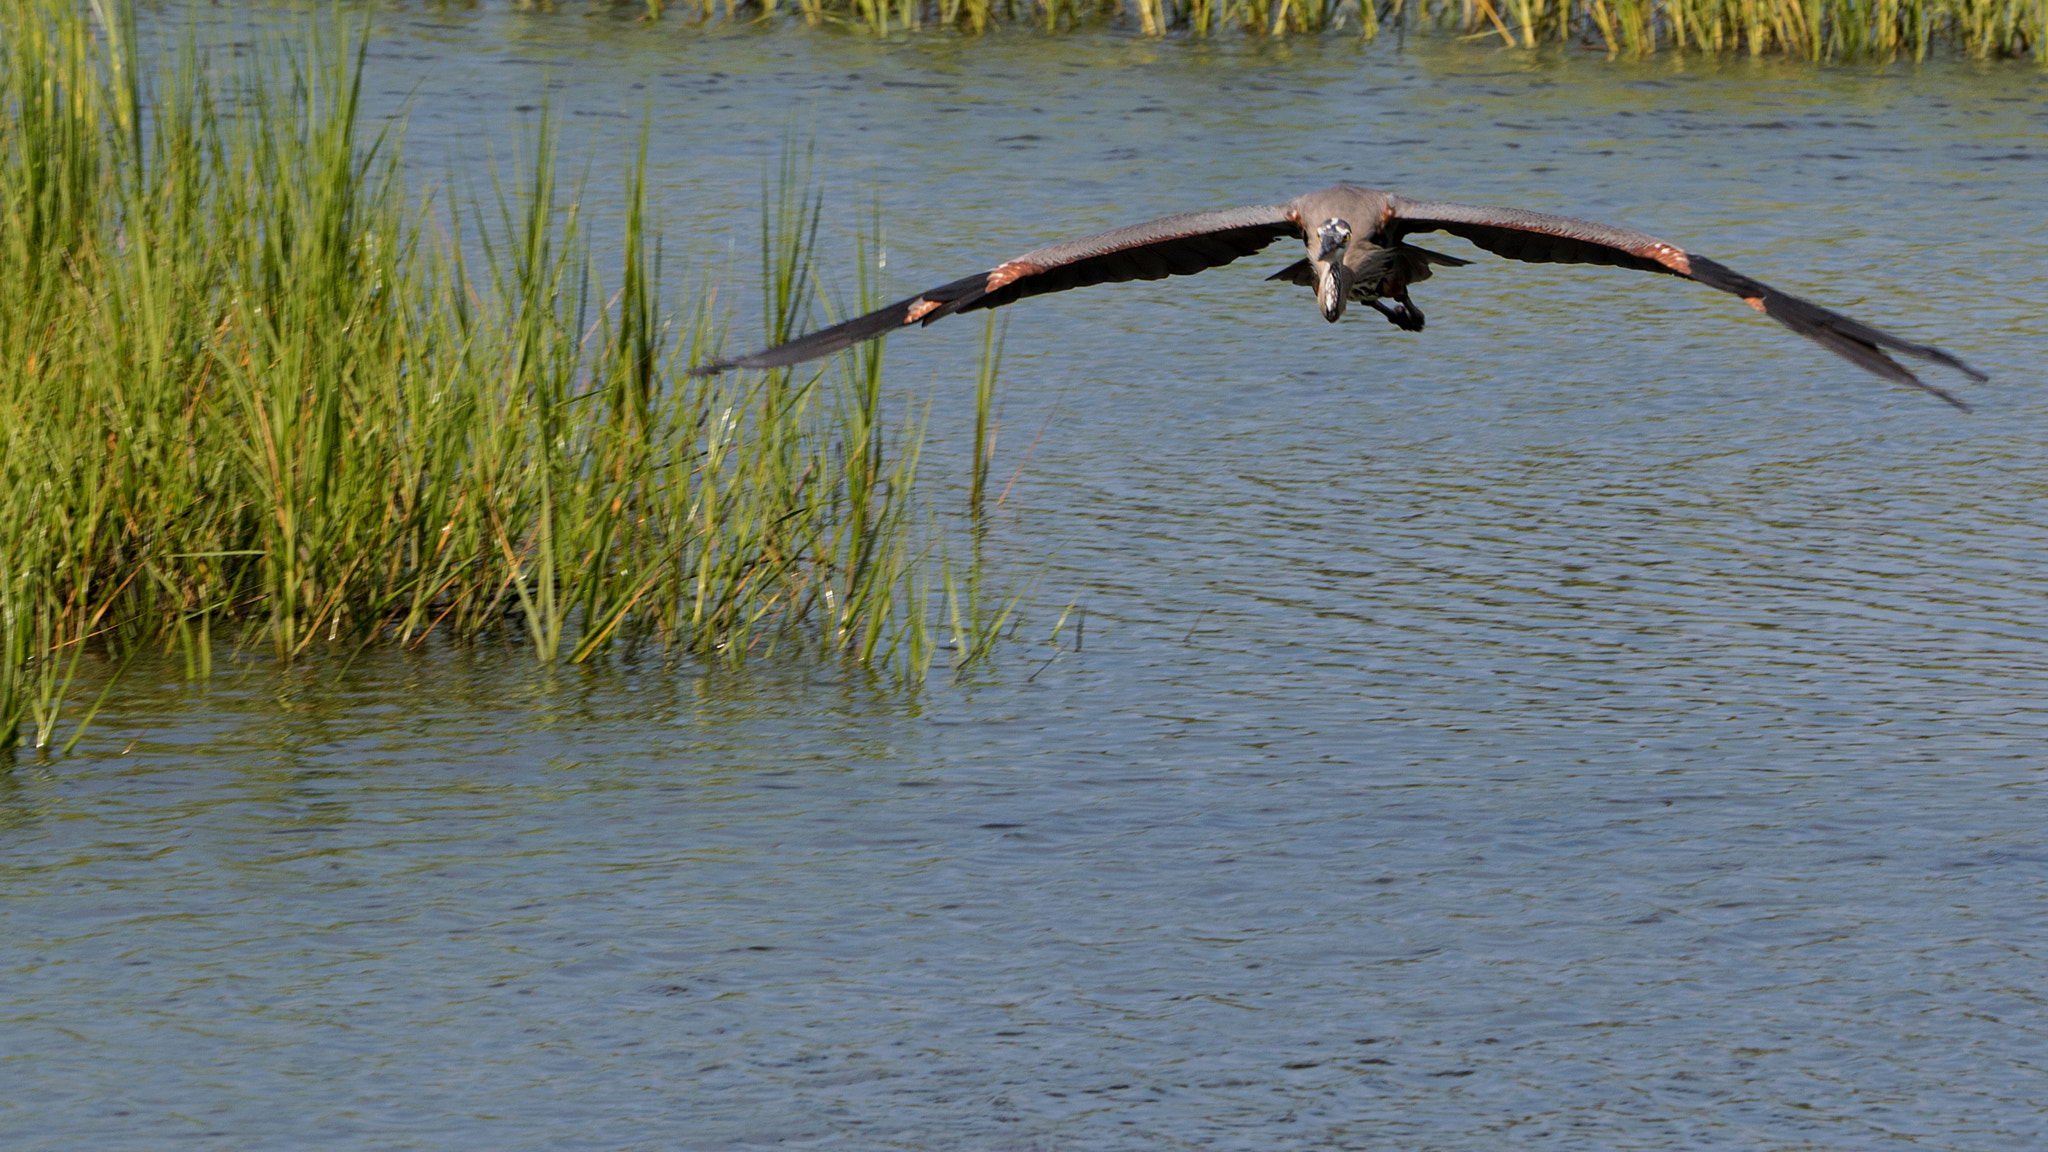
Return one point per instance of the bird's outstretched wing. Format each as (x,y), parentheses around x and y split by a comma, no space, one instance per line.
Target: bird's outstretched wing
(1539,239)
(1170,246)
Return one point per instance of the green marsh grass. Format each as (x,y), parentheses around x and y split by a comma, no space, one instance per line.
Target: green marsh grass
(1808,29)
(255,390)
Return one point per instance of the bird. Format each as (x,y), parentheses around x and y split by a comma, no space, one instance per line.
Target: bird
(1356,250)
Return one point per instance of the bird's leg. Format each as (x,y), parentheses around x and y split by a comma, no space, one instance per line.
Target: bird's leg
(1401,312)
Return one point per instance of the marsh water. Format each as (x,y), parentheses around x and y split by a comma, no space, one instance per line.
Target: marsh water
(1602,721)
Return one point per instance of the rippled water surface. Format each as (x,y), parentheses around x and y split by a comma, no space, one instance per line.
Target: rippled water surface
(1603,721)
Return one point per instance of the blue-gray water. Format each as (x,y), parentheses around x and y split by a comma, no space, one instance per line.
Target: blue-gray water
(1603,721)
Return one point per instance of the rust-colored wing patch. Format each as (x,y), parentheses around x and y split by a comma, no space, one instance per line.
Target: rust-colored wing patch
(1669,255)
(926,306)
(1009,272)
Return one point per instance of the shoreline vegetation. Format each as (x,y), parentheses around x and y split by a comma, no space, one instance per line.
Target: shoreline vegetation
(1816,30)
(255,390)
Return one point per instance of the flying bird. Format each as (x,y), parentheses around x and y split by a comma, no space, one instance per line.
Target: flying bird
(1357,249)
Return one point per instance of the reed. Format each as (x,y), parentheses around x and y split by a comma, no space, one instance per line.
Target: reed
(1810,29)
(254,389)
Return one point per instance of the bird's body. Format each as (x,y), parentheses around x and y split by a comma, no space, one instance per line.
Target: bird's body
(1376,274)
(1356,251)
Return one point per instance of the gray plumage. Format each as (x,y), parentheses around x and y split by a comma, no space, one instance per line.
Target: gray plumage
(1356,252)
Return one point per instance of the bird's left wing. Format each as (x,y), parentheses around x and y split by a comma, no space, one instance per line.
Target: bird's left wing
(1171,246)
(1536,238)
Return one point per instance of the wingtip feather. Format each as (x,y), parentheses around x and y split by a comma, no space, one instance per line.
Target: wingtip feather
(1851,339)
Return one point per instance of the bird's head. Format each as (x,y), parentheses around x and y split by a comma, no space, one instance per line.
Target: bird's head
(1333,276)
(1332,237)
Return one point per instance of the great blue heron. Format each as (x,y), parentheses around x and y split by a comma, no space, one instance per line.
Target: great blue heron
(1357,250)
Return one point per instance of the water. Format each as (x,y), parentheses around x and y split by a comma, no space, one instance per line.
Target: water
(1603,721)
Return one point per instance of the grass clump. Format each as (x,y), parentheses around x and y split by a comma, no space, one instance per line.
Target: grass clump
(1817,30)
(1809,29)
(252,389)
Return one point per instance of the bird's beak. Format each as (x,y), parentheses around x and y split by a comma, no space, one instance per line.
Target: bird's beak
(1333,278)
(1333,290)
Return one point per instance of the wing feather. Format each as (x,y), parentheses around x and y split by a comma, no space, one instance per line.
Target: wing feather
(1171,246)
(1851,339)
(840,337)
(1537,238)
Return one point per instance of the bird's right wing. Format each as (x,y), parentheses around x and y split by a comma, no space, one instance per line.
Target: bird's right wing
(1536,238)
(1171,246)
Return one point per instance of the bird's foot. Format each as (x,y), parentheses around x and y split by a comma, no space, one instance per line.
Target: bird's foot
(1402,314)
